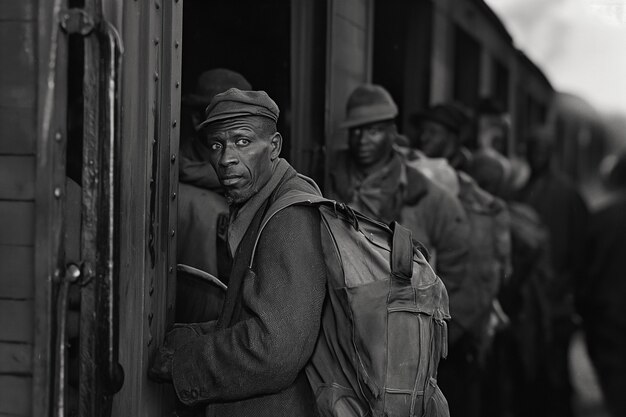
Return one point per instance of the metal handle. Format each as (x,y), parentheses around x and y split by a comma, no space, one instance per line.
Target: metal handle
(72,274)
(110,130)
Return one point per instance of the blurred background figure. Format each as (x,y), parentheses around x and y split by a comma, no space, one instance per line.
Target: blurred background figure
(515,368)
(202,210)
(563,211)
(443,130)
(603,293)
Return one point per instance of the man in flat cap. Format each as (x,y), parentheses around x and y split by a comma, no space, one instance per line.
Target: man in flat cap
(374,178)
(250,361)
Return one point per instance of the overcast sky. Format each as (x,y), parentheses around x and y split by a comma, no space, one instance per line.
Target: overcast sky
(579,44)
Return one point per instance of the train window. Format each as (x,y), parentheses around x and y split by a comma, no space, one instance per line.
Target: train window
(466,68)
(402,54)
(501,84)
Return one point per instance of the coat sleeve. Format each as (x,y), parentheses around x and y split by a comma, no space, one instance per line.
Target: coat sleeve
(264,353)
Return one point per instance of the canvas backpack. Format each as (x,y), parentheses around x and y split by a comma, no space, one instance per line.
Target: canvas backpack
(383,328)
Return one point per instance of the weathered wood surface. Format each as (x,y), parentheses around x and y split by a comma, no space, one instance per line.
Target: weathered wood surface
(16,271)
(18,130)
(18,78)
(16,358)
(17,10)
(17,177)
(15,395)
(17,223)
(16,320)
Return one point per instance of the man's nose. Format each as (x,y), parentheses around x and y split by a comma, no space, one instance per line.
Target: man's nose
(229,156)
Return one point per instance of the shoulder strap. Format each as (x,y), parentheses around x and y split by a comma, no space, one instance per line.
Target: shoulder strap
(290,198)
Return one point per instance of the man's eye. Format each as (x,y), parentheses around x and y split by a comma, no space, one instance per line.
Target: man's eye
(215,146)
(243,142)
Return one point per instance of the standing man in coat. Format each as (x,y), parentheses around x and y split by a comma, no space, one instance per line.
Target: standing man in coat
(250,361)
(441,129)
(564,212)
(374,178)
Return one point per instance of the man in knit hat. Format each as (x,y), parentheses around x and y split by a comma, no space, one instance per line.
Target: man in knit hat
(374,178)
(250,362)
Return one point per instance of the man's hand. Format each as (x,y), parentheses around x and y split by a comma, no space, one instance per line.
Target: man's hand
(161,370)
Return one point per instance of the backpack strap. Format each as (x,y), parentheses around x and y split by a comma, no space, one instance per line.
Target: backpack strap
(401,252)
(289,199)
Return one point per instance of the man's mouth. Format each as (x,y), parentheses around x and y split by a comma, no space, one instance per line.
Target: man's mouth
(230,180)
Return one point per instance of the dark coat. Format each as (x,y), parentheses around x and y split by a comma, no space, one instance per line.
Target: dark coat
(252,363)
(564,212)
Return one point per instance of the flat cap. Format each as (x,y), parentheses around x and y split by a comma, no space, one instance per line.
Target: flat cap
(234,103)
(369,103)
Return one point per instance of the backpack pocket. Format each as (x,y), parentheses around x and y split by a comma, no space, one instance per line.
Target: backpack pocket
(436,405)
(334,400)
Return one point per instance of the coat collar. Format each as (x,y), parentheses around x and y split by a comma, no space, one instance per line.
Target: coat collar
(242,216)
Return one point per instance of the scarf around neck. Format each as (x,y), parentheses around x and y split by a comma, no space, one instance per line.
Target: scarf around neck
(379,194)
(241,216)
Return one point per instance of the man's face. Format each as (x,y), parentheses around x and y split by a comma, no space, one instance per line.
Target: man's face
(243,152)
(436,140)
(370,144)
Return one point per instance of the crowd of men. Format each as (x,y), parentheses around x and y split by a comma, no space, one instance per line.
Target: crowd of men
(511,238)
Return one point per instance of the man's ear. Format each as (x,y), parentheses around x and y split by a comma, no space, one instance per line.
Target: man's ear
(277,144)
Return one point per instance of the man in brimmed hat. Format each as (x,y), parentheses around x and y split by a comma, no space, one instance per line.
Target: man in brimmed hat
(250,361)
(374,178)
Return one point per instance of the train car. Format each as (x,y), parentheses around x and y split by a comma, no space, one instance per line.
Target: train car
(91,118)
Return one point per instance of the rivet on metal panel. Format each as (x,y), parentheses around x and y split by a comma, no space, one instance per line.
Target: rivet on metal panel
(156,41)
(174,123)
(171,269)
(91,162)
(173,196)
(177,84)
(157,5)
(156,76)
(58,136)
(176,44)
(172,232)
(173,158)
(57,192)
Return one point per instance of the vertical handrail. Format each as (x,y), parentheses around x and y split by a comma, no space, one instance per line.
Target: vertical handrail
(110,129)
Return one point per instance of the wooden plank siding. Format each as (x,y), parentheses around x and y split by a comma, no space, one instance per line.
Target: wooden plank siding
(16,358)
(15,395)
(18,118)
(17,223)
(16,271)
(17,177)
(16,320)
(19,131)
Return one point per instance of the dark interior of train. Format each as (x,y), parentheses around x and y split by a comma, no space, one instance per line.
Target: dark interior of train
(250,37)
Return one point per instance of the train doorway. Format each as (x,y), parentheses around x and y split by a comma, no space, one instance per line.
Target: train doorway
(279,46)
